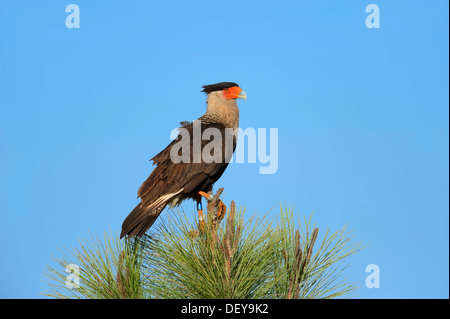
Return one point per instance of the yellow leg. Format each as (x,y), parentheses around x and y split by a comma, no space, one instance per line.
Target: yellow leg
(202,194)
(201,218)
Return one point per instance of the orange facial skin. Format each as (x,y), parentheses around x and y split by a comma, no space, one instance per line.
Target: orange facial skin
(232,92)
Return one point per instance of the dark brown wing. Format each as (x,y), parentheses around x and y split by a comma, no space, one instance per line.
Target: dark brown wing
(170,179)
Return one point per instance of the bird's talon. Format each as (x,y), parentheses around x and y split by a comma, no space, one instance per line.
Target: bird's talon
(207,196)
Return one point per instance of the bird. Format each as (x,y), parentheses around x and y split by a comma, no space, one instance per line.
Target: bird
(174,180)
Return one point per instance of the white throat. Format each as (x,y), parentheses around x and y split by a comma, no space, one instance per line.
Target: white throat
(226,110)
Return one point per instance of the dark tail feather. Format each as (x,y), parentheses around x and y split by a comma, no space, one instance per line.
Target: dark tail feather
(139,221)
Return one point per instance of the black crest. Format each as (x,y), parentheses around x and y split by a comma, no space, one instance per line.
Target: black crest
(217,87)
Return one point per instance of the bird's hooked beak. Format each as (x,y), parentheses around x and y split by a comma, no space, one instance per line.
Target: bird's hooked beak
(242,95)
(234,92)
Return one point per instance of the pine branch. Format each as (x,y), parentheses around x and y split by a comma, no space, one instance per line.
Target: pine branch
(240,258)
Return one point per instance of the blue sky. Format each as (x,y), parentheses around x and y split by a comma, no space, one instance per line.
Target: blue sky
(362,118)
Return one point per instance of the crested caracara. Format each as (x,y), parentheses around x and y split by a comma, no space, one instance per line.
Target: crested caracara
(171,181)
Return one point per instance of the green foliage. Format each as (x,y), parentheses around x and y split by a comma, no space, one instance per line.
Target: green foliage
(233,259)
(309,275)
(106,270)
